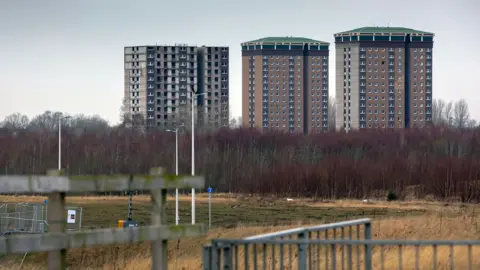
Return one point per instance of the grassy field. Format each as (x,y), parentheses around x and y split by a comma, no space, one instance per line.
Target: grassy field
(234,217)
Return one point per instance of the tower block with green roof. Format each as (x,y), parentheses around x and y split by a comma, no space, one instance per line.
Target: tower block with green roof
(285,84)
(383,78)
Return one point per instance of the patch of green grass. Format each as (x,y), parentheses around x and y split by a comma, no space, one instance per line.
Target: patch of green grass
(228,215)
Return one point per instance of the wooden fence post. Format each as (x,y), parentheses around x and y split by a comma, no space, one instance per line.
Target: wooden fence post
(56,224)
(159,217)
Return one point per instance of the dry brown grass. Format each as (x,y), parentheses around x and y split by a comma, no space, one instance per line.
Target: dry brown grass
(439,222)
(114,199)
(229,198)
(187,254)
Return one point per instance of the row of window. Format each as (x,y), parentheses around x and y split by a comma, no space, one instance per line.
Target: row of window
(289,57)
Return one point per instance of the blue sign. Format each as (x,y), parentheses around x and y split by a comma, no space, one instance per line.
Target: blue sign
(209,190)
(46,202)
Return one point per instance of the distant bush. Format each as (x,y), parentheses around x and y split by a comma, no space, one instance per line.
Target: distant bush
(391,196)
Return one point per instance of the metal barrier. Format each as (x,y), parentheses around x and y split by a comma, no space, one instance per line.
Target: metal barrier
(343,245)
(30,218)
(22,218)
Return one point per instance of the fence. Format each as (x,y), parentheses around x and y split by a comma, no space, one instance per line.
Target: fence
(343,245)
(22,218)
(30,218)
(57,241)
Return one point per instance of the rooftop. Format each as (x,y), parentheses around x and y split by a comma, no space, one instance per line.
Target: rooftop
(387,29)
(285,40)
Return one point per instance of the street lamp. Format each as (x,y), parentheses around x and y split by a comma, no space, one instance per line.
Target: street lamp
(60,118)
(193,95)
(176,171)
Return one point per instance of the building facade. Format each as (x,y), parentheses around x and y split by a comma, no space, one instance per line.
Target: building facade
(383,78)
(160,82)
(285,84)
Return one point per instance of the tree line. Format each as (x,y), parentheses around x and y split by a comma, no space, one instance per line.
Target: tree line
(441,161)
(452,114)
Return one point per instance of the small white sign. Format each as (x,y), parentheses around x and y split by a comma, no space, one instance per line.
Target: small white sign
(71,216)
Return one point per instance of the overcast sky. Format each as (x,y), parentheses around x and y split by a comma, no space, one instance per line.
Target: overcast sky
(68,55)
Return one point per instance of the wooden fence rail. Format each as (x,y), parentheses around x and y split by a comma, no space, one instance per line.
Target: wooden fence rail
(57,241)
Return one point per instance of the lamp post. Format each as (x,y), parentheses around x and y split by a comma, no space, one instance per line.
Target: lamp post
(60,118)
(176,172)
(193,95)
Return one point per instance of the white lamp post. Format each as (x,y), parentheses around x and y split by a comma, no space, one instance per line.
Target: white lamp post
(194,95)
(60,118)
(176,173)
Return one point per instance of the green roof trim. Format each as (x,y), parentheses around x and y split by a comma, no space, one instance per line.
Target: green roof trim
(387,30)
(285,40)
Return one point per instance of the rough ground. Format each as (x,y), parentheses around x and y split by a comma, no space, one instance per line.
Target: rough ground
(244,216)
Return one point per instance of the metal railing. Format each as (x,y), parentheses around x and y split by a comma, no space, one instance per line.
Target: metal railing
(58,240)
(343,245)
(290,249)
(22,218)
(30,218)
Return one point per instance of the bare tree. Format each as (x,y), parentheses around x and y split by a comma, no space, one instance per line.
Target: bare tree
(138,121)
(332,108)
(438,109)
(236,122)
(85,124)
(125,114)
(461,114)
(45,121)
(448,113)
(472,123)
(15,121)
